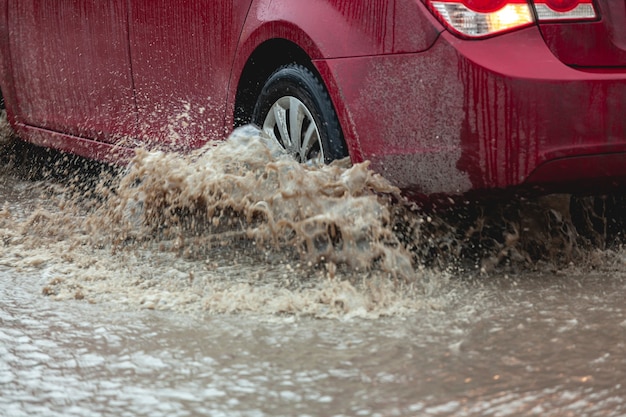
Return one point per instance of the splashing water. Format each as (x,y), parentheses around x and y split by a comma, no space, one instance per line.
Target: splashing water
(248,188)
(239,227)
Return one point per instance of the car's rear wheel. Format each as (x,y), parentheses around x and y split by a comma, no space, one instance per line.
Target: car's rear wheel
(295,110)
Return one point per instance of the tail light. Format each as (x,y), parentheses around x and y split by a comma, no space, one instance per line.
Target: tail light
(565,10)
(479,18)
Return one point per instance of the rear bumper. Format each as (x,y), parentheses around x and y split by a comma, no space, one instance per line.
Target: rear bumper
(472,115)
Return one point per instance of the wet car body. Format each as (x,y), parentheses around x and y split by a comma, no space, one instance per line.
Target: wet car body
(540,104)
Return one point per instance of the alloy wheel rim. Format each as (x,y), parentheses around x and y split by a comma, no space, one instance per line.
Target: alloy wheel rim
(290,123)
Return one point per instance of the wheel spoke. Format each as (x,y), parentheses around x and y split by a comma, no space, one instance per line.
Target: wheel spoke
(310,139)
(280,117)
(270,132)
(296,118)
(290,123)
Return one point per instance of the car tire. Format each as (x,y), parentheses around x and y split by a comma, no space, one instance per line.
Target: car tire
(295,110)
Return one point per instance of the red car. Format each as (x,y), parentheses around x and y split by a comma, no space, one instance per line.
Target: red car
(442,96)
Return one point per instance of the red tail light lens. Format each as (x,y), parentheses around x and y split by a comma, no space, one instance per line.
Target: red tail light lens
(484,6)
(562,6)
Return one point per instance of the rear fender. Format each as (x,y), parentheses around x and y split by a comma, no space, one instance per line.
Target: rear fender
(329,29)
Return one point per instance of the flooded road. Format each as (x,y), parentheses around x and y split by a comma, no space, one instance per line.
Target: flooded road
(542,346)
(131,299)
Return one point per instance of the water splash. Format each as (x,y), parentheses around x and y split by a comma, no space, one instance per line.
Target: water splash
(238,227)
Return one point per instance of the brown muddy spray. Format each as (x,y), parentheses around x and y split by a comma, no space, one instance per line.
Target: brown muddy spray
(239,227)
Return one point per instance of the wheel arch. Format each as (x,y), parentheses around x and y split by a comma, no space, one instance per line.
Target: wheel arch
(283,32)
(262,62)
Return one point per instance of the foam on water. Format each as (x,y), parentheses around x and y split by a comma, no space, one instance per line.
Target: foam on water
(246,187)
(239,227)
(234,227)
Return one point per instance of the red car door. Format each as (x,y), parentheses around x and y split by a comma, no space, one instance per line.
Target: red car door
(182,52)
(71,66)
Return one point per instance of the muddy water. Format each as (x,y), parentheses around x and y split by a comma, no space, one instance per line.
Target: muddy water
(234,282)
(546,346)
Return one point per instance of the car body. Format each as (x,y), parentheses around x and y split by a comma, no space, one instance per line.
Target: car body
(537,102)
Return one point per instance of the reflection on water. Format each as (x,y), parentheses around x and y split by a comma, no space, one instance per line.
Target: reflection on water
(535,345)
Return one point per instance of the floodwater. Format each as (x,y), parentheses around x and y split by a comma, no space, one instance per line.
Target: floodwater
(233,282)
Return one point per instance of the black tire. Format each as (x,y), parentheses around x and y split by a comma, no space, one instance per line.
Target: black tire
(294,90)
